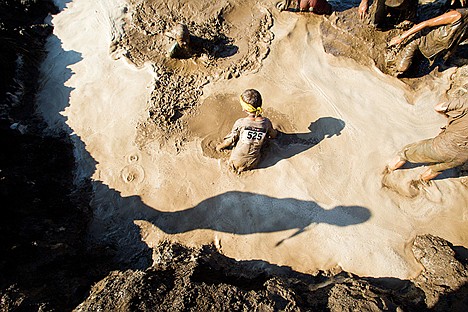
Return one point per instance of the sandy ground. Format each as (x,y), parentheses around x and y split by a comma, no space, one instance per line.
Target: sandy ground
(317,199)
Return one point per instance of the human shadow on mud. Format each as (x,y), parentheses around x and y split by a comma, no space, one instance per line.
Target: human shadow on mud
(244,213)
(287,145)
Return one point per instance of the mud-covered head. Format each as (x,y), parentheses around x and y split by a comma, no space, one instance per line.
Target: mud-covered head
(251,101)
(182,35)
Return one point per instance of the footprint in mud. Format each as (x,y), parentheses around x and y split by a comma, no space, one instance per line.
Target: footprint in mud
(133,174)
(133,158)
(408,185)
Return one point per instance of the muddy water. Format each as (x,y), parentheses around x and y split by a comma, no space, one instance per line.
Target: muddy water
(315,203)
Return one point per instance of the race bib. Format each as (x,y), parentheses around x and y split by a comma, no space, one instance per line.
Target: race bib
(252,135)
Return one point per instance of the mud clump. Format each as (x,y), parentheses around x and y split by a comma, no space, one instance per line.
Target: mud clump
(202,279)
(443,273)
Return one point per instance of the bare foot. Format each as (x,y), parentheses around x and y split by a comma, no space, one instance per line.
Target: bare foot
(395,163)
(429,175)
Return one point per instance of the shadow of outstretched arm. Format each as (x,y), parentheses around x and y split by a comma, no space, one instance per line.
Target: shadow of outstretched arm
(246,213)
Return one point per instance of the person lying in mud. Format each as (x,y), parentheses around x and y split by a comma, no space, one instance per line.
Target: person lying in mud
(319,7)
(399,13)
(449,31)
(181,49)
(248,134)
(447,150)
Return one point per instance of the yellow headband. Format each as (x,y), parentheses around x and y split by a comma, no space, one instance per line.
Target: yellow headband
(249,107)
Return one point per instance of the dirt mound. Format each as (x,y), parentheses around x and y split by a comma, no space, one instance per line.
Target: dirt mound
(202,279)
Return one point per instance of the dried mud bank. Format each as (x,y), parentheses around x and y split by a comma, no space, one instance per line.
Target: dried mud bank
(183,279)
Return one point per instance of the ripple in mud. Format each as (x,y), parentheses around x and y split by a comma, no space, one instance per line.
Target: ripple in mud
(132,174)
(133,158)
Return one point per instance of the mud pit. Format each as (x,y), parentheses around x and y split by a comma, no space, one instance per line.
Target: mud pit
(144,132)
(229,40)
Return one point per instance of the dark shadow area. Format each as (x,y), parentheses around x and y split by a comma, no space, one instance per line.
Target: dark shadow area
(461,253)
(58,101)
(421,66)
(402,291)
(47,261)
(286,145)
(456,301)
(219,47)
(246,213)
(340,6)
(21,39)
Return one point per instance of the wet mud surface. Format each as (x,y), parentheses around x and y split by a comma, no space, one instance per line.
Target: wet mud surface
(223,49)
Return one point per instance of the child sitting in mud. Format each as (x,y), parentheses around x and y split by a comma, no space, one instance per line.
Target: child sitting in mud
(248,134)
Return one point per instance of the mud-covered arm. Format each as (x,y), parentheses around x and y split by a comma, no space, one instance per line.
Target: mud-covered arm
(230,139)
(272,132)
(363,8)
(447,18)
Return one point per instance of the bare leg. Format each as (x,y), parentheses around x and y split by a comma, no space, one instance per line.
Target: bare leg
(406,56)
(429,175)
(396,163)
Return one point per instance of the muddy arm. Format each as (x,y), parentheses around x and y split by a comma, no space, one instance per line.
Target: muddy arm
(229,140)
(447,18)
(224,144)
(363,7)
